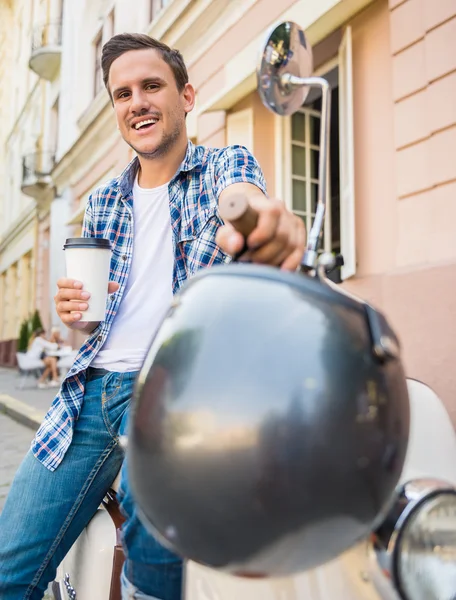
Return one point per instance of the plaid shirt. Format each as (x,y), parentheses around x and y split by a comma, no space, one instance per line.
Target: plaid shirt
(193,203)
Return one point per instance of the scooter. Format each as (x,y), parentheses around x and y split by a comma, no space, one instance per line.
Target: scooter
(88,573)
(386,530)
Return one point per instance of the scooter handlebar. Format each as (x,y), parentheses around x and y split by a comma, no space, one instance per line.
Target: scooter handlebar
(236,210)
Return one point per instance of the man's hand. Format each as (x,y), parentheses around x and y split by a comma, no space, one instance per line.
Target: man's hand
(279,238)
(71,301)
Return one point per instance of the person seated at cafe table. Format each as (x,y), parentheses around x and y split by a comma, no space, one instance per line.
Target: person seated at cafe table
(37,349)
(56,336)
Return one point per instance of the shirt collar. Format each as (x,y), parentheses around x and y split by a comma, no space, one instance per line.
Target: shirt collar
(193,158)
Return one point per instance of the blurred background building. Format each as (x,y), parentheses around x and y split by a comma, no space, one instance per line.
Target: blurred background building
(392,69)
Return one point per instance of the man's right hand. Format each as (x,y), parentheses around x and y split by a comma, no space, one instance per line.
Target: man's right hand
(71,301)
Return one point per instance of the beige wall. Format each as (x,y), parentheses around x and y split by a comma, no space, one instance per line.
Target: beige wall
(17,298)
(116,158)
(404,86)
(405,140)
(22,101)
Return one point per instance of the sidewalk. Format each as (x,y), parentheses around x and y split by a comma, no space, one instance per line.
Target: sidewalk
(27,406)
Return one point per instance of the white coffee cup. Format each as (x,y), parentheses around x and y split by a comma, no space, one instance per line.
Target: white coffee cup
(88,260)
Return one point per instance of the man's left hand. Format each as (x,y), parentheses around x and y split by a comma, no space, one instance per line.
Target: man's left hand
(279,238)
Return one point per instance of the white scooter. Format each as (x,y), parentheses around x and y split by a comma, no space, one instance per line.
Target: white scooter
(411,553)
(359,574)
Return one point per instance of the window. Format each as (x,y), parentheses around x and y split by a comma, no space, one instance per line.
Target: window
(305,144)
(303,140)
(98,76)
(305,155)
(156,6)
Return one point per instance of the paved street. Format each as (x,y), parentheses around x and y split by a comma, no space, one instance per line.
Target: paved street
(15,438)
(14,442)
(30,394)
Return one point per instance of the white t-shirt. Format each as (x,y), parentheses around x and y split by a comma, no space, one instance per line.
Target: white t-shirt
(148,294)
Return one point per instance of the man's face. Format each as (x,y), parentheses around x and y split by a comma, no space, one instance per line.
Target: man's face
(150,110)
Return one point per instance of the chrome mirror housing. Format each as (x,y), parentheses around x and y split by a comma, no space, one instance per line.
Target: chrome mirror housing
(284,81)
(286,54)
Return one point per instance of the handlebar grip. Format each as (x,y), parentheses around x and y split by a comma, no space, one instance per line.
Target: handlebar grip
(237,210)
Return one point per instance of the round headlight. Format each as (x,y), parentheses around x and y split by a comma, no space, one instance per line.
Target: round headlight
(425,551)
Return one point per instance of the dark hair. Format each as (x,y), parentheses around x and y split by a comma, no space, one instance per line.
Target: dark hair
(124,42)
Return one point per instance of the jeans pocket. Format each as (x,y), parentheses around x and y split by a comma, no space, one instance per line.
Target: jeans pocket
(111,386)
(116,397)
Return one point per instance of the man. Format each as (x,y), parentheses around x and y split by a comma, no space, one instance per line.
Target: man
(162,219)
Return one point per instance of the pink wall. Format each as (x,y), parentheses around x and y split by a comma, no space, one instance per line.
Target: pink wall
(405,140)
(423,44)
(404,78)
(211,129)
(253,22)
(375,201)
(404,85)
(263,136)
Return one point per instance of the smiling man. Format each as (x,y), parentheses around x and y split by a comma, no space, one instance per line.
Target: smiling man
(161,215)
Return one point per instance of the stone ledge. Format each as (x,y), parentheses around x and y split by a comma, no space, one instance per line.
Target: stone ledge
(20,412)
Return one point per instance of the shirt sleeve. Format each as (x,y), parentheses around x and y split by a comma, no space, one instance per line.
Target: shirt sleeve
(88,228)
(237,165)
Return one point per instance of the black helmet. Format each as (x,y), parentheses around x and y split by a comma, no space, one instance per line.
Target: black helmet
(270,422)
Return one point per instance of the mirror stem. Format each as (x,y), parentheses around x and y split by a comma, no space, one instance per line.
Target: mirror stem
(288,81)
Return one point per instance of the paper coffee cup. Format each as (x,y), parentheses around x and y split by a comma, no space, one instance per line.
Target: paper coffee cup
(88,260)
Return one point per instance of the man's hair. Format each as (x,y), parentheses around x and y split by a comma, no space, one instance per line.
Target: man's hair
(124,42)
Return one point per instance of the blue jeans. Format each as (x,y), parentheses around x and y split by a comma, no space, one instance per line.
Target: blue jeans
(46,511)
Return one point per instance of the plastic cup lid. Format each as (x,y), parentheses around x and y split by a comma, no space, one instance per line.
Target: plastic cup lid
(83,242)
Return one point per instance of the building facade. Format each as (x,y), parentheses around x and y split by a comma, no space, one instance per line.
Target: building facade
(25,167)
(391,66)
(392,69)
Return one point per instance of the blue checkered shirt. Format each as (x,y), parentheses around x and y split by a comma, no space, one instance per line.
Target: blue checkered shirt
(193,203)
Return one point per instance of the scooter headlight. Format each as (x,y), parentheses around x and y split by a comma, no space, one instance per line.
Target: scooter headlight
(415,547)
(425,554)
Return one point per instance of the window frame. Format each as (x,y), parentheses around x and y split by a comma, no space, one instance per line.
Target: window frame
(307,178)
(347,156)
(283,154)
